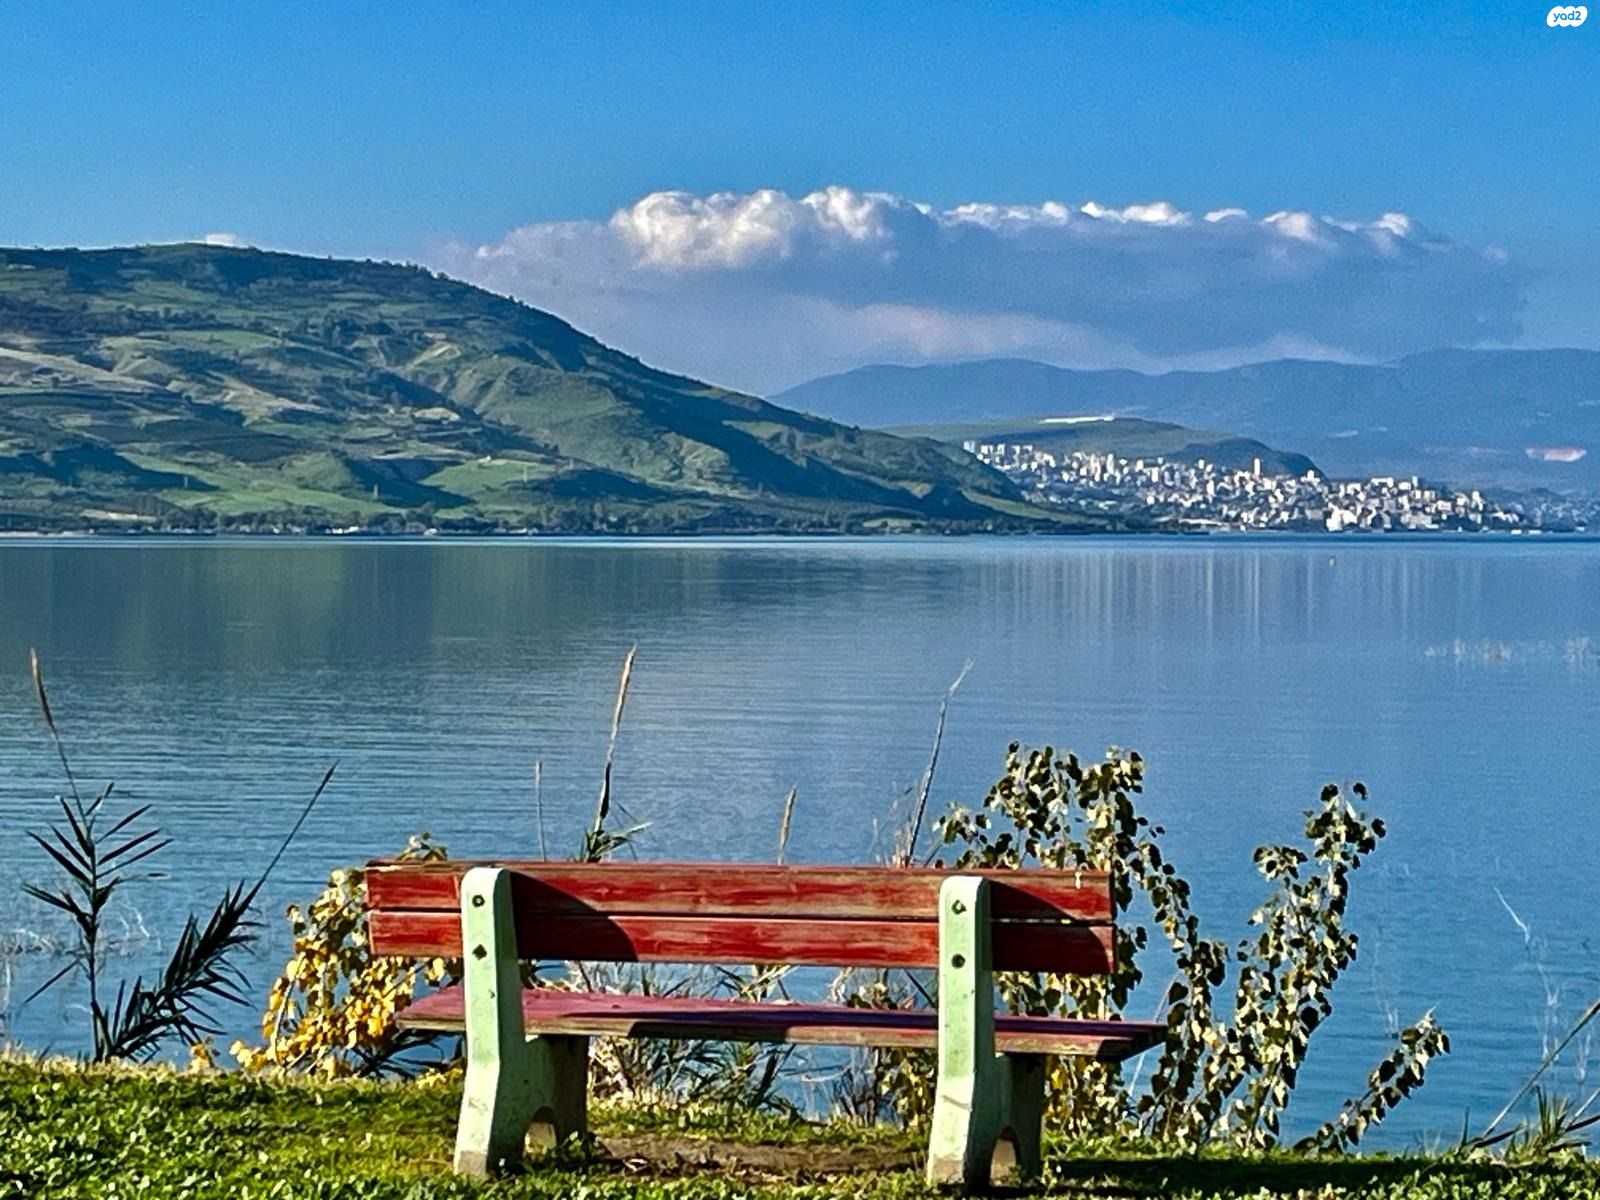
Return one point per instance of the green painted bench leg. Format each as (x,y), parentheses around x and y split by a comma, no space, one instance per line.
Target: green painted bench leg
(512,1081)
(972,1091)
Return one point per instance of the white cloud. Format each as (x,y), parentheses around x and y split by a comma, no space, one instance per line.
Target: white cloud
(223,239)
(675,229)
(1303,227)
(760,290)
(1160,213)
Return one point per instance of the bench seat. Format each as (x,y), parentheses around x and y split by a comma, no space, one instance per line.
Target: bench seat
(556,1011)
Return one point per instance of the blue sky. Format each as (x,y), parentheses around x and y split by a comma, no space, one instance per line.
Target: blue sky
(420,132)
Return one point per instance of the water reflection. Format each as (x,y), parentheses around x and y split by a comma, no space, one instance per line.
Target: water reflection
(218,680)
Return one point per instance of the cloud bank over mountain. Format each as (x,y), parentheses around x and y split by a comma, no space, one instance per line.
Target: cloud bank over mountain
(761,290)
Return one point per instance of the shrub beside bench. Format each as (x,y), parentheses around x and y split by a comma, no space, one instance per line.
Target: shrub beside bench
(527,1049)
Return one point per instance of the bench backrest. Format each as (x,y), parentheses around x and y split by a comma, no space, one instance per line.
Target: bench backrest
(1041,920)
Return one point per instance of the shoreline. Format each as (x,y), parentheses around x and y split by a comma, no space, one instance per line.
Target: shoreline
(727,539)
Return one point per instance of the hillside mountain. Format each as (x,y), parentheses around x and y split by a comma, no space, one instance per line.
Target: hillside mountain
(209,387)
(1512,417)
(1125,437)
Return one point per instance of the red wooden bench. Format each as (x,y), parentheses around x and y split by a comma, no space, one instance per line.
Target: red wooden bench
(527,1050)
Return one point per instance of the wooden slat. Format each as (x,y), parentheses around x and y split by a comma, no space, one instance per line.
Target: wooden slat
(735,889)
(553,1011)
(1076,949)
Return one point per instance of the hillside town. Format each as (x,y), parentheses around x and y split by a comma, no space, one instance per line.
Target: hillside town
(1205,495)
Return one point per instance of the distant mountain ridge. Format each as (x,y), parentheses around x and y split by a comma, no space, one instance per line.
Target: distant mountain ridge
(196,386)
(1513,417)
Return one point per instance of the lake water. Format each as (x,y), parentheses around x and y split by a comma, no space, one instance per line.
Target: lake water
(1455,677)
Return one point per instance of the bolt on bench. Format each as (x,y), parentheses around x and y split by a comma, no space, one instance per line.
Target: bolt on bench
(527,1049)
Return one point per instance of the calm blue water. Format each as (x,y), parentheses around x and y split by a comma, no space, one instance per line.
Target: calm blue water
(1453,676)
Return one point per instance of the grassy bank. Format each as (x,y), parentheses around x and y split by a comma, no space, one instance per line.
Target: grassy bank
(67,1131)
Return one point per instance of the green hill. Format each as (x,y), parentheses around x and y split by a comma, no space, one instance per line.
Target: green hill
(1126,437)
(208,387)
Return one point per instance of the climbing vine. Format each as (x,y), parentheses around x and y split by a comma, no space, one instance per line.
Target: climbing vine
(332,1012)
(1225,1073)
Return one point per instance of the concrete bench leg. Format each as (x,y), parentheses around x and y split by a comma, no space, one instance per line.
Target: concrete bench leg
(1019,1148)
(560,1071)
(512,1081)
(987,1109)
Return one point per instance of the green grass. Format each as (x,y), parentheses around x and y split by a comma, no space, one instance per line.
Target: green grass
(67,1131)
(477,477)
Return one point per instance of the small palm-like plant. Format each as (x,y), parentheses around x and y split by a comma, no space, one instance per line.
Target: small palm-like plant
(98,856)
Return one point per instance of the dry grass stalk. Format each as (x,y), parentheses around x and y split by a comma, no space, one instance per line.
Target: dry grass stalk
(538,805)
(908,848)
(603,809)
(50,722)
(783,827)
